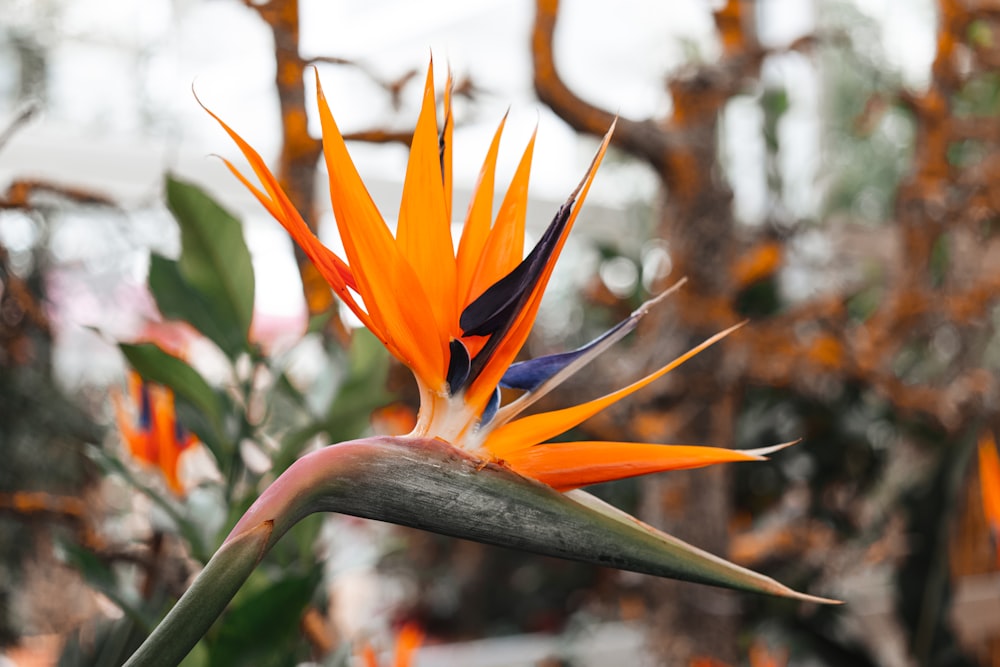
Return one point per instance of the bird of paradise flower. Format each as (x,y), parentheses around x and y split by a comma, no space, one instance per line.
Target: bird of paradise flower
(472,467)
(148,424)
(459,319)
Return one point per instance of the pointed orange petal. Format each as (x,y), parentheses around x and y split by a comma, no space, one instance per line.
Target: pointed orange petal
(280,206)
(388,285)
(989,483)
(477,222)
(504,247)
(447,136)
(569,465)
(137,440)
(424,233)
(531,430)
(164,428)
(482,388)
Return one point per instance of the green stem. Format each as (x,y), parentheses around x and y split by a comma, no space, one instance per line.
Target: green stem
(429,484)
(204,601)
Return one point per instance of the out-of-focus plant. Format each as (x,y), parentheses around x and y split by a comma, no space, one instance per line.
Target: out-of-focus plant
(458,320)
(407,642)
(252,425)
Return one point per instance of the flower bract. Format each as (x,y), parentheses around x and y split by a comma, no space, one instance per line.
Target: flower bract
(458,312)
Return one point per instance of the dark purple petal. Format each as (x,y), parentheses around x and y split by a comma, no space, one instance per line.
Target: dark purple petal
(496,308)
(539,376)
(458,366)
(145,408)
(490,411)
(180,433)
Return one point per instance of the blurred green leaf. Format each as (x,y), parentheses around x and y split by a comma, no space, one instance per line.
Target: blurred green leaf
(214,257)
(263,618)
(319,321)
(155,365)
(200,656)
(179,300)
(979,34)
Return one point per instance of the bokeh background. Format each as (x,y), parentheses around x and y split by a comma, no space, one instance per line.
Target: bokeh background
(825,168)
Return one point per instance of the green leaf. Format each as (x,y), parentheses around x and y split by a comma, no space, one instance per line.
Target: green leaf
(179,300)
(266,619)
(214,257)
(155,365)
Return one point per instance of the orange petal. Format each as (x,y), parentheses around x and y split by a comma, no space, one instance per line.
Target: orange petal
(447,136)
(533,429)
(569,465)
(368,656)
(409,640)
(277,203)
(137,440)
(477,222)
(989,483)
(762,656)
(424,233)
(388,285)
(482,388)
(164,428)
(504,247)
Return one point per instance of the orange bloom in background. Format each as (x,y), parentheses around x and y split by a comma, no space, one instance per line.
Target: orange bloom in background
(989,484)
(407,642)
(150,428)
(458,319)
(760,656)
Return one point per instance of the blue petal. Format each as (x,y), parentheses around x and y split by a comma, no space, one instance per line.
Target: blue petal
(491,408)
(180,433)
(540,376)
(529,375)
(145,408)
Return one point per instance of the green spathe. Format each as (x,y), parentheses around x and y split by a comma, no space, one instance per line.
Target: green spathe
(431,485)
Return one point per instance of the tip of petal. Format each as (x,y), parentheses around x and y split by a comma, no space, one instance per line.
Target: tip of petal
(764,452)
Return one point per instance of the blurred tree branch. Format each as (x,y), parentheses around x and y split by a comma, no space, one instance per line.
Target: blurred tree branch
(806,344)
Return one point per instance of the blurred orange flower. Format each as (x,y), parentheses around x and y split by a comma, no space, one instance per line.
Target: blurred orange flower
(989,484)
(148,423)
(407,642)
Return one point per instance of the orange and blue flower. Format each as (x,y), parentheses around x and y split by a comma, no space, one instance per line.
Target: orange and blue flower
(151,430)
(459,318)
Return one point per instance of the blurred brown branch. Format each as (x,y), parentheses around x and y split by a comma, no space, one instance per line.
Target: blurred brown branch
(809,344)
